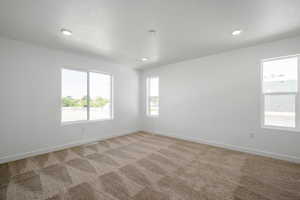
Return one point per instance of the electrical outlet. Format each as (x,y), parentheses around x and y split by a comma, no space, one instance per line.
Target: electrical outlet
(251,135)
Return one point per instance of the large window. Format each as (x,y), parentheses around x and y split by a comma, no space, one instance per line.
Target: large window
(153,96)
(280,91)
(86,96)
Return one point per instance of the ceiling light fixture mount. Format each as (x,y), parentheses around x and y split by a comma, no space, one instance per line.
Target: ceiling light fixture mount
(66,32)
(237,32)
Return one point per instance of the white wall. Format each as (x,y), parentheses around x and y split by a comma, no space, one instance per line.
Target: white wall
(30,89)
(216,99)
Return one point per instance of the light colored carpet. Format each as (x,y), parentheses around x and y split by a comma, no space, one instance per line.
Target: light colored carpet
(147,167)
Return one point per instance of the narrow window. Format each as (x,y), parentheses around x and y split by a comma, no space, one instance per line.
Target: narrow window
(86,96)
(100,96)
(280,89)
(153,96)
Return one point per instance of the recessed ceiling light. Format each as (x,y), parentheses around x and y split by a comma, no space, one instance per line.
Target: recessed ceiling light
(237,32)
(144,59)
(66,32)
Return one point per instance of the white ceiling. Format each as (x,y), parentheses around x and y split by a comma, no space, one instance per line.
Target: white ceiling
(118,29)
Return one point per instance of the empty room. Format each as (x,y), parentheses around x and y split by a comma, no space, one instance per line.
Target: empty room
(149,100)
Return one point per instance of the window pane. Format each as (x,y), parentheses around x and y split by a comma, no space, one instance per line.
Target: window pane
(154,105)
(74,95)
(280,110)
(280,75)
(154,88)
(153,96)
(100,96)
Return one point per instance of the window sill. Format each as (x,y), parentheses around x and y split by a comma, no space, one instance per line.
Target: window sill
(153,116)
(280,128)
(84,122)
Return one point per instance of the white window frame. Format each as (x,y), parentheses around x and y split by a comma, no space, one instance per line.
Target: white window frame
(88,96)
(297,103)
(148,113)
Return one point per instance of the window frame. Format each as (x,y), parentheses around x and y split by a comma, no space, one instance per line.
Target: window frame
(87,71)
(262,96)
(148,113)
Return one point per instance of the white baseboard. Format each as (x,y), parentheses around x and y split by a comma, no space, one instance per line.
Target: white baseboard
(234,147)
(56,148)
